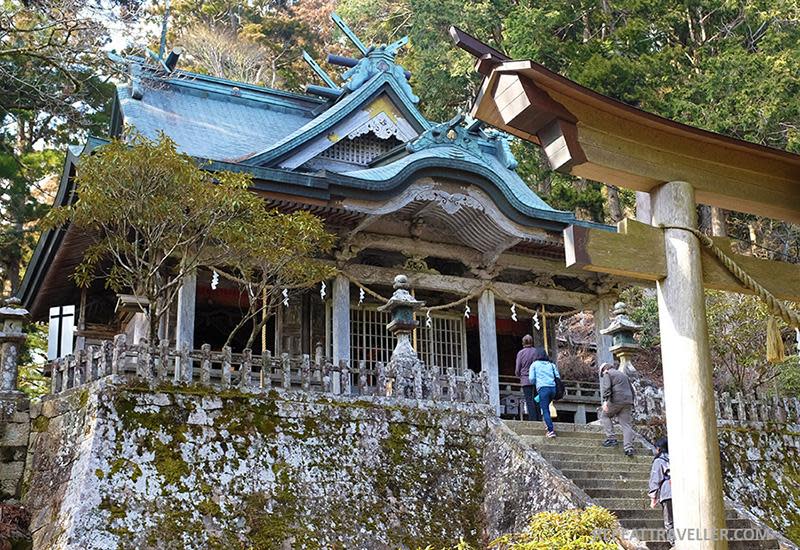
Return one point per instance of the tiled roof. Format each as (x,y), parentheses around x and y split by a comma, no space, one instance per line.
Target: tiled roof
(209,124)
(349,103)
(510,184)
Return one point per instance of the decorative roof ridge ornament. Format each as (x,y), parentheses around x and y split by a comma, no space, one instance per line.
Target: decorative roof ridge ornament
(466,133)
(375,60)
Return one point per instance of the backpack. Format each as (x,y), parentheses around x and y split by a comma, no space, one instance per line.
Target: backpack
(559,387)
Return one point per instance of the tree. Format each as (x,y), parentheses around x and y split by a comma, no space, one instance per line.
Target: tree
(154,217)
(259,41)
(263,268)
(737,339)
(50,93)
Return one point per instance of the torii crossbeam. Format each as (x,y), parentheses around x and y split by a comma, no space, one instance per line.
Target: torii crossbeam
(589,135)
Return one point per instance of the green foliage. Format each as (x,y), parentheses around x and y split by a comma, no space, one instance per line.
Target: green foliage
(789,377)
(643,309)
(32,358)
(50,94)
(737,338)
(155,216)
(589,529)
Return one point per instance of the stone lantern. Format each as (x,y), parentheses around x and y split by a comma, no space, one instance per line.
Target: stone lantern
(404,365)
(622,331)
(401,306)
(11,338)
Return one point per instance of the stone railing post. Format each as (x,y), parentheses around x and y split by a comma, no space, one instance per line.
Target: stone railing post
(452,384)
(286,367)
(344,372)
(11,339)
(741,414)
(266,370)
(185,363)
(362,377)
(225,375)
(91,366)
(381,379)
(205,364)
(305,372)
(118,355)
(163,359)
(245,368)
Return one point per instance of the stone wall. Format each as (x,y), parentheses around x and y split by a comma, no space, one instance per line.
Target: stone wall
(113,467)
(761,471)
(14,429)
(521,483)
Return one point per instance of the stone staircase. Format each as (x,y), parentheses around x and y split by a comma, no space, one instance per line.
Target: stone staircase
(612,480)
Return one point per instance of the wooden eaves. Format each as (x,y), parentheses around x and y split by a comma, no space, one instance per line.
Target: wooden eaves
(593,136)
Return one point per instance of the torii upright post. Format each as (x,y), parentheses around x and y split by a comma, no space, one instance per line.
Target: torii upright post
(687,369)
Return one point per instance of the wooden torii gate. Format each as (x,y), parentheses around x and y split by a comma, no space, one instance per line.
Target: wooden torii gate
(586,134)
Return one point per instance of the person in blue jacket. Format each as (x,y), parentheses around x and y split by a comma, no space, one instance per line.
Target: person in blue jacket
(542,374)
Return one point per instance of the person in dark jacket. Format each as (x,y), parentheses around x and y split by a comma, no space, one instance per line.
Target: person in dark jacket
(543,374)
(661,486)
(616,393)
(524,360)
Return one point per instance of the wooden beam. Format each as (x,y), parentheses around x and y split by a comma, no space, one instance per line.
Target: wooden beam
(506,260)
(604,252)
(523,294)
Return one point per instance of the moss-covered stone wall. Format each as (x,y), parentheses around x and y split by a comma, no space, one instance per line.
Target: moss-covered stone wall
(113,467)
(761,470)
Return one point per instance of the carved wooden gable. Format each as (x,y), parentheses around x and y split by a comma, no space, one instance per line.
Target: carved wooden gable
(367,133)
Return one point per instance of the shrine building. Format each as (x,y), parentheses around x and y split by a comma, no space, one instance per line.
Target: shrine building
(439,202)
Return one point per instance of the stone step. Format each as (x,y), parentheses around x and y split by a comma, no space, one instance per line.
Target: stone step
(595,482)
(582,475)
(632,492)
(625,503)
(580,444)
(593,459)
(638,514)
(658,523)
(631,466)
(522,427)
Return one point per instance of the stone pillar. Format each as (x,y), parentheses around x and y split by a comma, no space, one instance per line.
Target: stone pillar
(14,405)
(487,329)
(11,339)
(602,318)
(697,493)
(184,327)
(340,321)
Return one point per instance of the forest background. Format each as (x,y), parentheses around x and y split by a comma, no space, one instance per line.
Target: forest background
(731,67)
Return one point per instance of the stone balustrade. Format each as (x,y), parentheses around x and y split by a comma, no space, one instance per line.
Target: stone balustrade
(248,372)
(731,409)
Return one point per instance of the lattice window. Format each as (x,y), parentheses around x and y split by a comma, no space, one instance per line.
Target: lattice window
(361,150)
(442,345)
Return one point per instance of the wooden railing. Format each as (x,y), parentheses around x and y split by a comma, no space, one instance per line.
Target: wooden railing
(249,372)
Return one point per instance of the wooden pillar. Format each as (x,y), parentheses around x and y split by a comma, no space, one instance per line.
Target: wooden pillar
(697,494)
(184,327)
(602,318)
(340,319)
(488,338)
